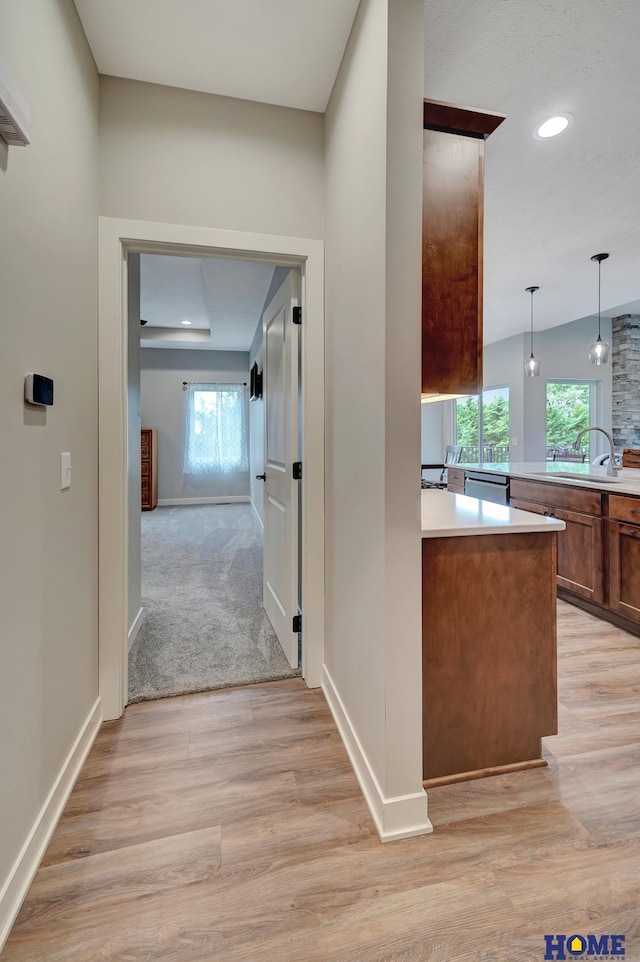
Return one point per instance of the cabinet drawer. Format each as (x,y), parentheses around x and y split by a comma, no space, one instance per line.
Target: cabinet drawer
(455,480)
(624,509)
(557,495)
(144,451)
(528,506)
(144,469)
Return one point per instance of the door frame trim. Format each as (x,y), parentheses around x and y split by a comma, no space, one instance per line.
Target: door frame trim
(116,238)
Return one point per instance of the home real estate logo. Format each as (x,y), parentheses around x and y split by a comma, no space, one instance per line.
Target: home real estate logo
(590,947)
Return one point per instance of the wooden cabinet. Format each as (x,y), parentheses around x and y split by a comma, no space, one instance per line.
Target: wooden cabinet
(452,237)
(580,545)
(624,556)
(488,654)
(599,551)
(149,468)
(580,567)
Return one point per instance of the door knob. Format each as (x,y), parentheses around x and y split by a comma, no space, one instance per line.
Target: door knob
(261,477)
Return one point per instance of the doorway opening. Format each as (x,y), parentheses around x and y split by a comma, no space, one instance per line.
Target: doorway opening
(119,239)
(202,605)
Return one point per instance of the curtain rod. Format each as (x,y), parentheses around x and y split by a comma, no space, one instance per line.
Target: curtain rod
(185,383)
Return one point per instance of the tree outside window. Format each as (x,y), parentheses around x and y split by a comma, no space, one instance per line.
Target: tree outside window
(482,426)
(568,412)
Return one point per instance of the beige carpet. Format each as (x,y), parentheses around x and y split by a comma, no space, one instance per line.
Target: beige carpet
(205,626)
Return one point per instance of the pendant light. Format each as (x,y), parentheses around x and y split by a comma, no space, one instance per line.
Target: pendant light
(532,364)
(599,349)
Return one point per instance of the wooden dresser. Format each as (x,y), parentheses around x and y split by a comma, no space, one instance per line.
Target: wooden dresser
(149,468)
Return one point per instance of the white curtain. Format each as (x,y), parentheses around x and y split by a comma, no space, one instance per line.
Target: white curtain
(215,436)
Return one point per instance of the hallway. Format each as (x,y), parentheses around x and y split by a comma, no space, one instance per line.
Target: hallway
(230,826)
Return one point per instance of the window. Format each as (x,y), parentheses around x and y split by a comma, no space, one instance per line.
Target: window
(569,405)
(482,426)
(215,436)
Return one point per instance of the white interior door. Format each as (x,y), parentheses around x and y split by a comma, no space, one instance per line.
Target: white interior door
(280,388)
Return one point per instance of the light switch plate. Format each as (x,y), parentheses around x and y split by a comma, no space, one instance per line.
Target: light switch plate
(65,470)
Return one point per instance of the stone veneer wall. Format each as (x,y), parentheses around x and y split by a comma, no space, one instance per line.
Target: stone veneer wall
(625,358)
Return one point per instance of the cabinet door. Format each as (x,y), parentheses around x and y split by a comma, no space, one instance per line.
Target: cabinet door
(580,560)
(452,237)
(624,569)
(452,264)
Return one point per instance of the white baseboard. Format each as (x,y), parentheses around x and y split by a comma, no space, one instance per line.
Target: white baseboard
(229,499)
(135,628)
(257,515)
(14,890)
(400,816)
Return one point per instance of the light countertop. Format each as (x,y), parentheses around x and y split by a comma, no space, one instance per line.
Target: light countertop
(446,515)
(587,475)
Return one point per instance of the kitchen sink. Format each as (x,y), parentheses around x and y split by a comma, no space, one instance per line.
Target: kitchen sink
(575,476)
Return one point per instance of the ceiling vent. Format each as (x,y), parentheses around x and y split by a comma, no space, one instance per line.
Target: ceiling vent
(15,116)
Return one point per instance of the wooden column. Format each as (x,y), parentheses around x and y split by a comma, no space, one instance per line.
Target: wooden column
(452,239)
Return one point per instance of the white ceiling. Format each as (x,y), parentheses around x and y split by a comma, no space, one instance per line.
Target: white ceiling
(221,296)
(549,205)
(172,290)
(283,52)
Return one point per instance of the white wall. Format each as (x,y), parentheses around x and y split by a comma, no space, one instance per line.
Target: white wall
(134,572)
(563,352)
(181,157)
(48,279)
(373,155)
(503,366)
(164,403)
(432,434)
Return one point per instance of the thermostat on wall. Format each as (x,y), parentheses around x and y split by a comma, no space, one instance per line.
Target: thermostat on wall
(38,389)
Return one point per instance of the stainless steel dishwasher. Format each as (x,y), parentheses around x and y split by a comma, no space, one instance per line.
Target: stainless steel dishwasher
(487,487)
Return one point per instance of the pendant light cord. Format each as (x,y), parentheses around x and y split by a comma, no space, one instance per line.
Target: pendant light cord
(599,258)
(599,276)
(531,290)
(531,323)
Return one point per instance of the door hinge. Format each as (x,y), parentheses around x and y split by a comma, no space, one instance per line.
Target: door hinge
(297,470)
(297,623)
(297,315)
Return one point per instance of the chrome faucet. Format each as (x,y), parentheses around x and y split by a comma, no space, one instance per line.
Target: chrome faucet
(612,470)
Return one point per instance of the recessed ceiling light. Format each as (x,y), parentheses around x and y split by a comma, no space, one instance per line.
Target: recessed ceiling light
(186,323)
(553,126)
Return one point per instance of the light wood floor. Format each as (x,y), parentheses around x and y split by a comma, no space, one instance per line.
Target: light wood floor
(230,826)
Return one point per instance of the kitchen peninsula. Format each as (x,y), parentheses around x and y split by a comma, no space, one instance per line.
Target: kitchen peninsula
(488,637)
